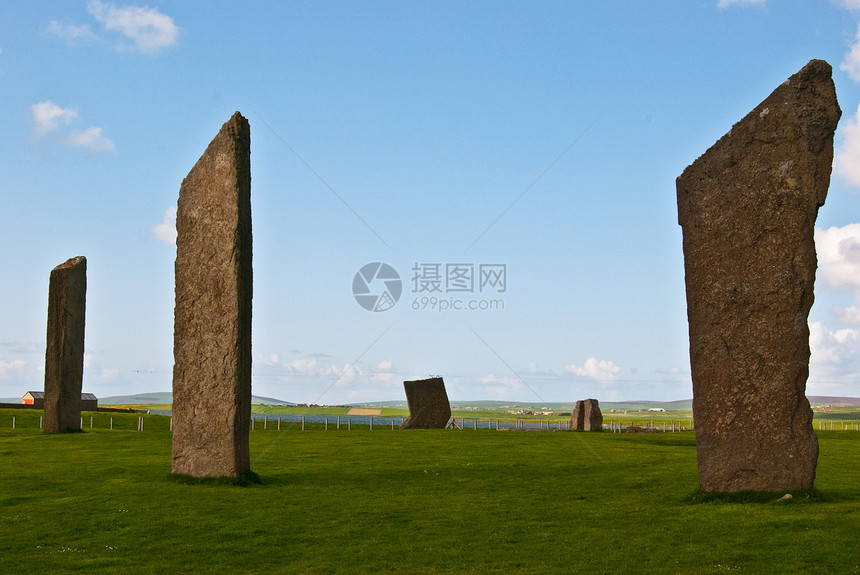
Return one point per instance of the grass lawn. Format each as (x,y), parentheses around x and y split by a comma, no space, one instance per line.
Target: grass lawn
(408,502)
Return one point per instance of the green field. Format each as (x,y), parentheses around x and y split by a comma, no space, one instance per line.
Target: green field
(451,501)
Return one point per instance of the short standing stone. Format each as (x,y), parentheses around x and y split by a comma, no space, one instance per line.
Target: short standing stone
(428,404)
(747,209)
(586,416)
(64,355)
(212,317)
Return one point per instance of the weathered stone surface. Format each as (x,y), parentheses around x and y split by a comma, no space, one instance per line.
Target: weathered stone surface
(747,208)
(586,416)
(64,354)
(212,317)
(428,404)
(577,417)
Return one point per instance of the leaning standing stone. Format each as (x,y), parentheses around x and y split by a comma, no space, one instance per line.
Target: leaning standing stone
(747,209)
(212,317)
(428,404)
(64,355)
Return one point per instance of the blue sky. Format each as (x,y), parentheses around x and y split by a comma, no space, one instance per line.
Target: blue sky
(544,137)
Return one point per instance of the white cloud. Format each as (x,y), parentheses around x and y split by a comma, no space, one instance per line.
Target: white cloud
(166,232)
(847,158)
(850,4)
(14,368)
(91,139)
(47,115)
(833,348)
(71,32)
(601,370)
(727,3)
(839,256)
(149,30)
(851,62)
(847,315)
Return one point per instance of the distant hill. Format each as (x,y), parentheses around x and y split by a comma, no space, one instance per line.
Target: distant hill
(684,404)
(166,397)
(834,401)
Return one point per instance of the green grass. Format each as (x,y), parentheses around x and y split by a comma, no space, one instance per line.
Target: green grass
(409,502)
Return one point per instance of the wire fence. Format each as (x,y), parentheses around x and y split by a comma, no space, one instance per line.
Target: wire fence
(163,421)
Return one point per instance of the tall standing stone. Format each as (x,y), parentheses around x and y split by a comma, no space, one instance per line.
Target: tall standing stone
(428,404)
(586,416)
(747,208)
(212,317)
(64,355)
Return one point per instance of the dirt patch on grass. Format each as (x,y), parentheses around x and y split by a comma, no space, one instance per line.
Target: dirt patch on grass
(363,411)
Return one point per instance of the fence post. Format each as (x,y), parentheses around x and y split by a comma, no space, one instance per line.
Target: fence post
(13,422)
(338,422)
(303,422)
(326,423)
(40,422)
(252,423)
(279,423)
(91,422)
(371,423)
(349,424)
(265,422)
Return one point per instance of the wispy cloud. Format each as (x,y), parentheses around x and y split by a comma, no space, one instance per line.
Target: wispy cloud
(90,139)
(71,33)
(601,370)
(149,30)
(139,28)
(166,230)
(47,118)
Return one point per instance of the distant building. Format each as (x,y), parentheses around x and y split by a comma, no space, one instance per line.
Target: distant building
(89,402)
(34,398)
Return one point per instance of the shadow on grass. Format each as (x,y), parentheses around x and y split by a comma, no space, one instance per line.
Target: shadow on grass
(246,479)
(775,497)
